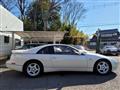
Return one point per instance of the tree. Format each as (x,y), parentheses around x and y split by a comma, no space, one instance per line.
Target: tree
(73,36)
(8,4)
(22,6)
(72,12)
(44,14)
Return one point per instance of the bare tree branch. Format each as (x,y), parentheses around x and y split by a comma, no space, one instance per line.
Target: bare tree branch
(22,6)
(8,4)
(72,12)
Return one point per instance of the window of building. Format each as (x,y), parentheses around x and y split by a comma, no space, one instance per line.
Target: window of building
(6,39)
(113,43)
(17,42)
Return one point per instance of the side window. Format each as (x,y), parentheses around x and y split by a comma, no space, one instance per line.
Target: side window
(46,50)
(58,50)
(64,50)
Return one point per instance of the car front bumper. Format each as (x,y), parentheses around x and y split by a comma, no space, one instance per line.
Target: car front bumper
(112,52)
(114,65)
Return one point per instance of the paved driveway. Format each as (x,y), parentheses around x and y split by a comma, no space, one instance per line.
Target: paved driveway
(12,80)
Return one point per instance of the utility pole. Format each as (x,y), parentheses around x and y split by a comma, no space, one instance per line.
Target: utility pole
(98,41)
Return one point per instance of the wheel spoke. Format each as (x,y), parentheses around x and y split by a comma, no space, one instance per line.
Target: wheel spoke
(36,67)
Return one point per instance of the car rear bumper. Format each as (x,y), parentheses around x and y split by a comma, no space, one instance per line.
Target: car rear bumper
(13,66)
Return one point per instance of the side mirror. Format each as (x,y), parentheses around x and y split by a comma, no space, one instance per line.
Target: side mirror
(82,53)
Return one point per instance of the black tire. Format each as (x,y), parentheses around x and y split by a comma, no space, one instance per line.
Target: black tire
(29,63)
(98,71)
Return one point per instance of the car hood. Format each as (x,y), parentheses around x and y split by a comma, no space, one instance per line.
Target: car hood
(113,49)
(97,56)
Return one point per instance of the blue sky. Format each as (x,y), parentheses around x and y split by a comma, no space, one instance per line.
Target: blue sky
(100,14)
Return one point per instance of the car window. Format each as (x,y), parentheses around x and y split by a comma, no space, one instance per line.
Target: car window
(46,50)
(64,50)
(80,47)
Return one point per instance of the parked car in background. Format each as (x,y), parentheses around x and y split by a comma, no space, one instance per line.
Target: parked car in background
(32,45)
(80,47)
(59,57)
(119,50)
(109,49)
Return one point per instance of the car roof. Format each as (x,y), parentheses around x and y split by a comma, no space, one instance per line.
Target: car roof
(55,44)
(35,49)
(34,43)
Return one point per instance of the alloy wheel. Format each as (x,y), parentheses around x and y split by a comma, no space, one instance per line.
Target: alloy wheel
(33,69)
(103,67)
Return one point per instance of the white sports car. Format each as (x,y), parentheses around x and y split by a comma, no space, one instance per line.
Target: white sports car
(59,57)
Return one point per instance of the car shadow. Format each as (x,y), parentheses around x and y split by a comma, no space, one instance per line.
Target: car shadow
(13,80)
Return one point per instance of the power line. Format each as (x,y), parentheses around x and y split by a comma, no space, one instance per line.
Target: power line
(103,5)
(99,25)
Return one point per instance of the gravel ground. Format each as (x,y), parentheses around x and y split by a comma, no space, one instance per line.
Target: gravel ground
(12,80)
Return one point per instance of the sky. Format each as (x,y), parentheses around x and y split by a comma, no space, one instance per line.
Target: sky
(100,14)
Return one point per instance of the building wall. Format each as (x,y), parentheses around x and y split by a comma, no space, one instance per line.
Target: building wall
(9,22)
(6,47)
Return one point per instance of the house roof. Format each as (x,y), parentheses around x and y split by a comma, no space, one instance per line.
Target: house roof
(108,37)
(108,31)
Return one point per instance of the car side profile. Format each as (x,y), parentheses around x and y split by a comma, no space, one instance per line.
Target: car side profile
(59,57)
(109,49)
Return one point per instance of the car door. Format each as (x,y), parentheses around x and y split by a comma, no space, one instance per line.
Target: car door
(67,58)
(46,55)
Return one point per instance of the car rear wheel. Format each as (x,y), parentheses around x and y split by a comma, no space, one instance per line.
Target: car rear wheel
(33,69)
(102,67)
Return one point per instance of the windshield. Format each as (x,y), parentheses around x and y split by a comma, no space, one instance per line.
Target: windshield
(79,47)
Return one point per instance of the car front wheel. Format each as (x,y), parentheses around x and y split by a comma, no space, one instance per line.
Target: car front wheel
(102,67)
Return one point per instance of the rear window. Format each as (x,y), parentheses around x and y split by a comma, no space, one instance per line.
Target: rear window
(46,50)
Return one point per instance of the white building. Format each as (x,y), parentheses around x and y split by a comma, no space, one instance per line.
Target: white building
(8,24)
